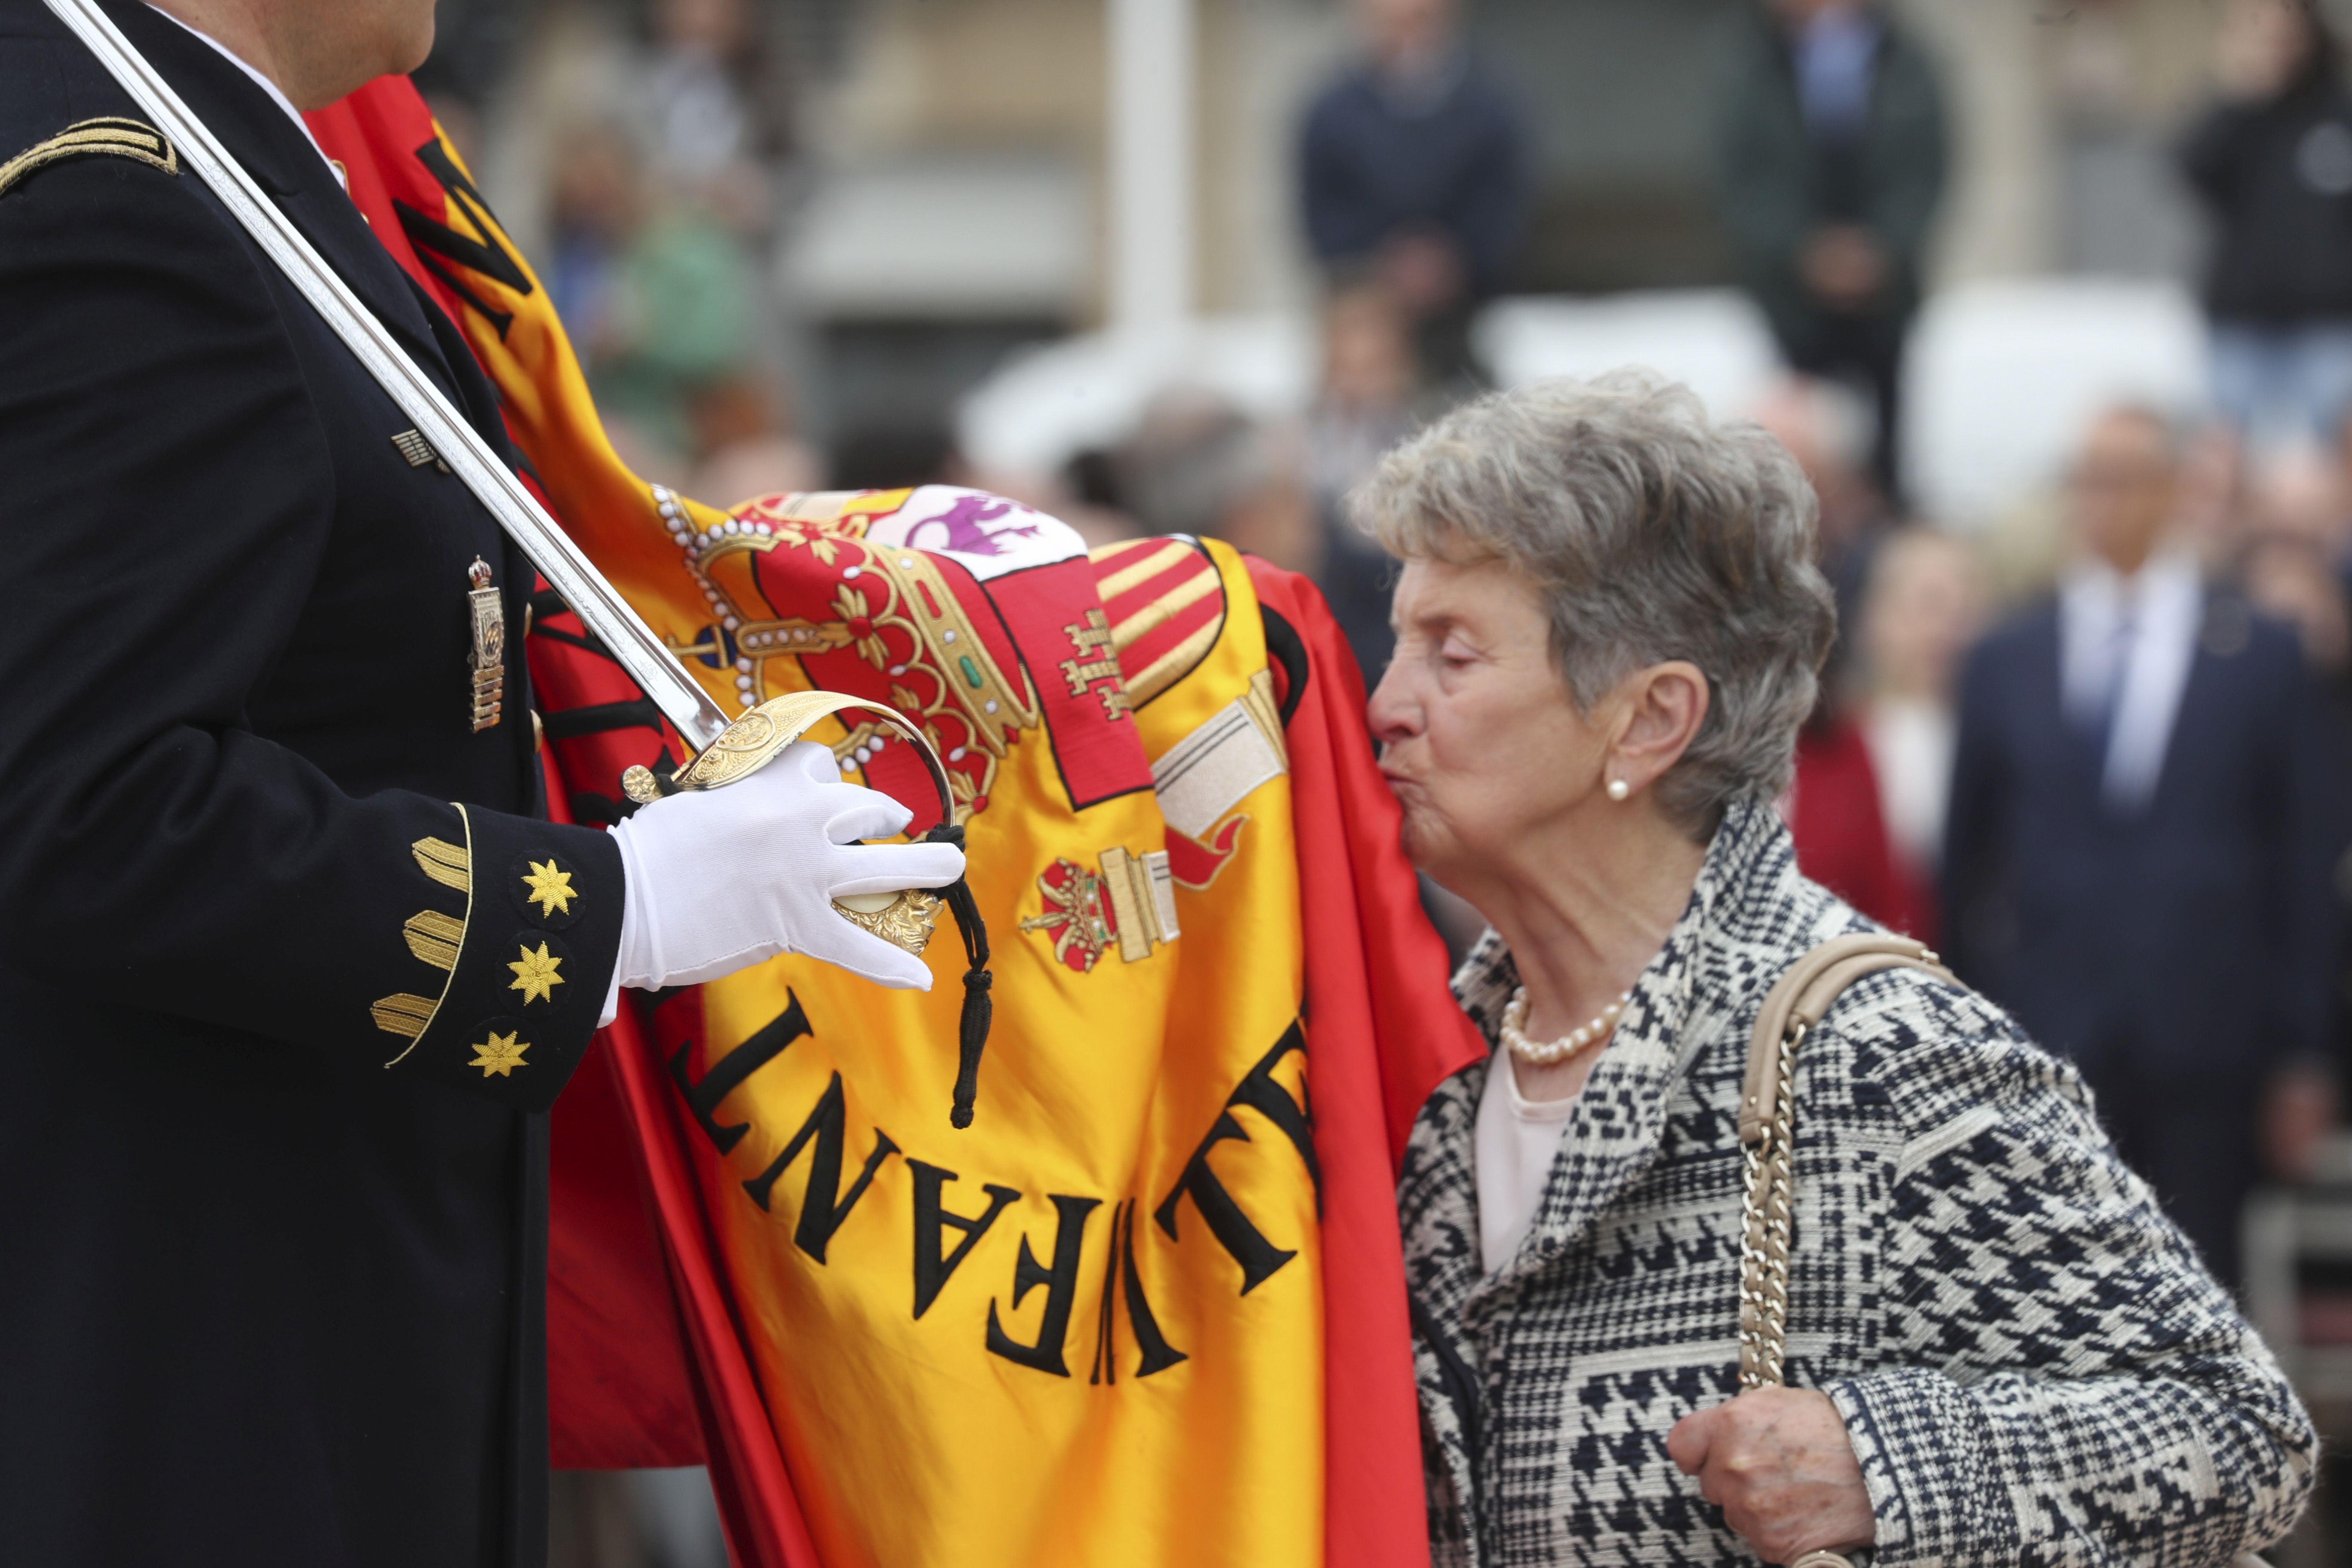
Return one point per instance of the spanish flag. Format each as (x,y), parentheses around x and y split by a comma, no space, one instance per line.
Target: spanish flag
(1150,1307)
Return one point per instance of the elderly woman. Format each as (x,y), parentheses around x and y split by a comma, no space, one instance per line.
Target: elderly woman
(1609,625)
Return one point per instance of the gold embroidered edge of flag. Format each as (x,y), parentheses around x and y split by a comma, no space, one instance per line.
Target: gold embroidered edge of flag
(434,937)
(107,137)
(444,863)
(439,859)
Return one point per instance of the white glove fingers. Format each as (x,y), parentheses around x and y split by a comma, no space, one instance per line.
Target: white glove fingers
(809,760)
(864,814)
(720,965)
(886,867)
(865,955)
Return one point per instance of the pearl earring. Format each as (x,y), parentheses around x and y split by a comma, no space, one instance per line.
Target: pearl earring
(1619,789)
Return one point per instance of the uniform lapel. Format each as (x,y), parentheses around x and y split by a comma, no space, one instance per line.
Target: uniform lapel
(289,171)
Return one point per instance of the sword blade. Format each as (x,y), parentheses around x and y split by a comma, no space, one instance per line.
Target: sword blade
(599,606)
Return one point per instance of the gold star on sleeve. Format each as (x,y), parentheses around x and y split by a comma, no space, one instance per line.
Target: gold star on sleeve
(550,889)
(535,974)
(500,1054)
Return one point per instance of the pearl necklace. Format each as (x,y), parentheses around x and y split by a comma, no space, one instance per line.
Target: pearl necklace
(1544,1052)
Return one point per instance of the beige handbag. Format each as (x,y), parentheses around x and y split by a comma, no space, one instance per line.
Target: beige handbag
(1768,1112)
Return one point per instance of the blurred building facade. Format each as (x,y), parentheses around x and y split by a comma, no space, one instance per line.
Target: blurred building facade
(950,196)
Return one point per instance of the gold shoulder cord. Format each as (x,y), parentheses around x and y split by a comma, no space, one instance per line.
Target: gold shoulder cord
(109,137)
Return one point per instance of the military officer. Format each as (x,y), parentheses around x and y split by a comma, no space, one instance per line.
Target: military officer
(290,966)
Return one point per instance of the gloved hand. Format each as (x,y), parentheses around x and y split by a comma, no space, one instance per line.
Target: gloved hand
(720,879)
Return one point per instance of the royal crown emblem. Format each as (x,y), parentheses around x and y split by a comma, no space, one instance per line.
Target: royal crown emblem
(1129,904)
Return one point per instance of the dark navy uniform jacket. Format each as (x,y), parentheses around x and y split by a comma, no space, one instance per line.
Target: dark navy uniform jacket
(278,1030)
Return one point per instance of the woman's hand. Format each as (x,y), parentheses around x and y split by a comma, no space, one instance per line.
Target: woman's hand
(1777,1461)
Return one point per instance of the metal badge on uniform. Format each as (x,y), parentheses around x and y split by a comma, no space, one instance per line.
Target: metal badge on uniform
(417,451)
(489,617)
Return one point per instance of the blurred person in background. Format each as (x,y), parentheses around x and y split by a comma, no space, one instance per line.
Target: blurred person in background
(473,44)
(1829,160)
(744,443)
(1828,428)
(1925,606)
(2271,161)
(596,211)
(1085,496)
(1833,806)
(2137,855)
(1371,398)
(1837,822)
(717,103)
(2298,492)
(662,301)
(2289,564)
(1195,463)
(1412,173)
(1368,402)
(1369,395)
(889,454)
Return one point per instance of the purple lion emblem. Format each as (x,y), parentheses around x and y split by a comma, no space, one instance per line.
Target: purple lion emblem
(960,526)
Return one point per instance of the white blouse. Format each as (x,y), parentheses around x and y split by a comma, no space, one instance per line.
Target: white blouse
(1515,1143)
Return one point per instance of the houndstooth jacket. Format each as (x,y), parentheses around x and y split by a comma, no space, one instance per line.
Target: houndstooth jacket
(2032,1366)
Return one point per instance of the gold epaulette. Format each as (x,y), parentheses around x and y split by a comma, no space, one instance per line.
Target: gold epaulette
(111,138)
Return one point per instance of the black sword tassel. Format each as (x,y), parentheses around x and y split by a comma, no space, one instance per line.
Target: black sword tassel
(979,1007)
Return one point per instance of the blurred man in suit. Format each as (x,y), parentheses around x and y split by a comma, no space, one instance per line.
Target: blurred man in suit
(2135,861)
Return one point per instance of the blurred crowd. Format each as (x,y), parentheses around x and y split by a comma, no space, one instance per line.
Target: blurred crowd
(666,213)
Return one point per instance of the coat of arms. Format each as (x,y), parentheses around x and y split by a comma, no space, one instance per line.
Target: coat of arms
(1129,904)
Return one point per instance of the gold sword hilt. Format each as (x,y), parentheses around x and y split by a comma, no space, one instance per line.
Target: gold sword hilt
(907,918)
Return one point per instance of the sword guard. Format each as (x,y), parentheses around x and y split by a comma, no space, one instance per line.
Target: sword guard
(905,919)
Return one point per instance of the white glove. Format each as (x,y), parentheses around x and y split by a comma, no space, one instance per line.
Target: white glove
(720,879)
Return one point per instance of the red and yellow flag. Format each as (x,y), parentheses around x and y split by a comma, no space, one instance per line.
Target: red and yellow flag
(1150,1307)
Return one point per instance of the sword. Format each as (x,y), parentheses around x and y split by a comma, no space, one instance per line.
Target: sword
(726,751)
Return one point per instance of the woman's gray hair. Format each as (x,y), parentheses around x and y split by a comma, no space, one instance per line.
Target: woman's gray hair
(1651,533)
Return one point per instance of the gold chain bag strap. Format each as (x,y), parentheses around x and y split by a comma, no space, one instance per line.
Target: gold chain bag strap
(1768,1125)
